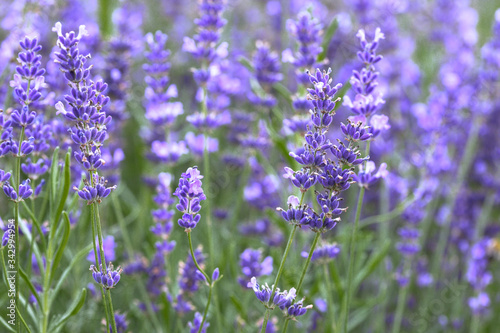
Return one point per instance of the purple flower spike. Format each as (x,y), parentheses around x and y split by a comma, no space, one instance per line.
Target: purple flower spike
(108,279)
(194,326)
(190,194)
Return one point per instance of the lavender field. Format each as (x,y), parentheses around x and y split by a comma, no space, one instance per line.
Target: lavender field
(250,166)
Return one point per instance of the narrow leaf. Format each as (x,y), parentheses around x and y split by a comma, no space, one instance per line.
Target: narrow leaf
(26,279)
(330,31)
(372,264)
(73,310)
(65,188)
(62,246)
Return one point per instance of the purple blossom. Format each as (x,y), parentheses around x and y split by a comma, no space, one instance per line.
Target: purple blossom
(190,194)
(107,279)
(252,265)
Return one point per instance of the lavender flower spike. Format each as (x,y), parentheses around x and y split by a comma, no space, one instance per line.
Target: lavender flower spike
(190,194)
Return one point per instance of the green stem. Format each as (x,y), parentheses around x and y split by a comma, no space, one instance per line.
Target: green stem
(329,298)
(92,219)
(308,261)
(475,324)
(104,264)
(352,255)
(206,167)
(130,252)
(280,271)
(16,227)
(402,295)
(209,280)
(304,271)
(285,327)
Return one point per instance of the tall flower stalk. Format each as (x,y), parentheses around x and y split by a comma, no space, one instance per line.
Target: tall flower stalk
(364,105)
(190,194)
(205,47)
(88,120)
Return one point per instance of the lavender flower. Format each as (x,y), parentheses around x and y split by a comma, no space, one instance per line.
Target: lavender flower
(190,194)
(159,110)
(194,326)
(86,112)
(324,254)
(252,265)
(479,276)
(107,279)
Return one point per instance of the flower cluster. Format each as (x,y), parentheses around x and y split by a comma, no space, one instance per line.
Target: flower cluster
(479,276)
(316,167)
(252,265)
(85,112)
(27,85)
(267,72)
(109,278)
(159,110)
(306,30)
(282,299)
(190,194)
(324,253)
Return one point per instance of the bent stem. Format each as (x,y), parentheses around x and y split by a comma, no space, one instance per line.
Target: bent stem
(304,271)
(209,280)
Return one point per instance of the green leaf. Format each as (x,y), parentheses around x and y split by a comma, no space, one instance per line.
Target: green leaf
(65,190)
(245,62)
(36,223)
(330,31)
(6,324)
(372,264)
(26,279)
(239,307)
(284,92)
(54,170)
(79,256)
(62,246)
(73,310)
(36,250)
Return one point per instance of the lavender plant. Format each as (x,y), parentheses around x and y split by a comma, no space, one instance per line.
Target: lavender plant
(418,253)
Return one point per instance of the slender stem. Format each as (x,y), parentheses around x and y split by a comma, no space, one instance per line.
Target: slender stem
(194,258)
(280,271)
(329,298)
(304,271)
(285,327)
(209,280)
(308,261)
(105,265)
(485,215)
(92,219)
(402,295)
(16,225)
(475,324)
(130,252)
(206,168)
(266,319)
(206,307)
(282,265)
(352,254)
